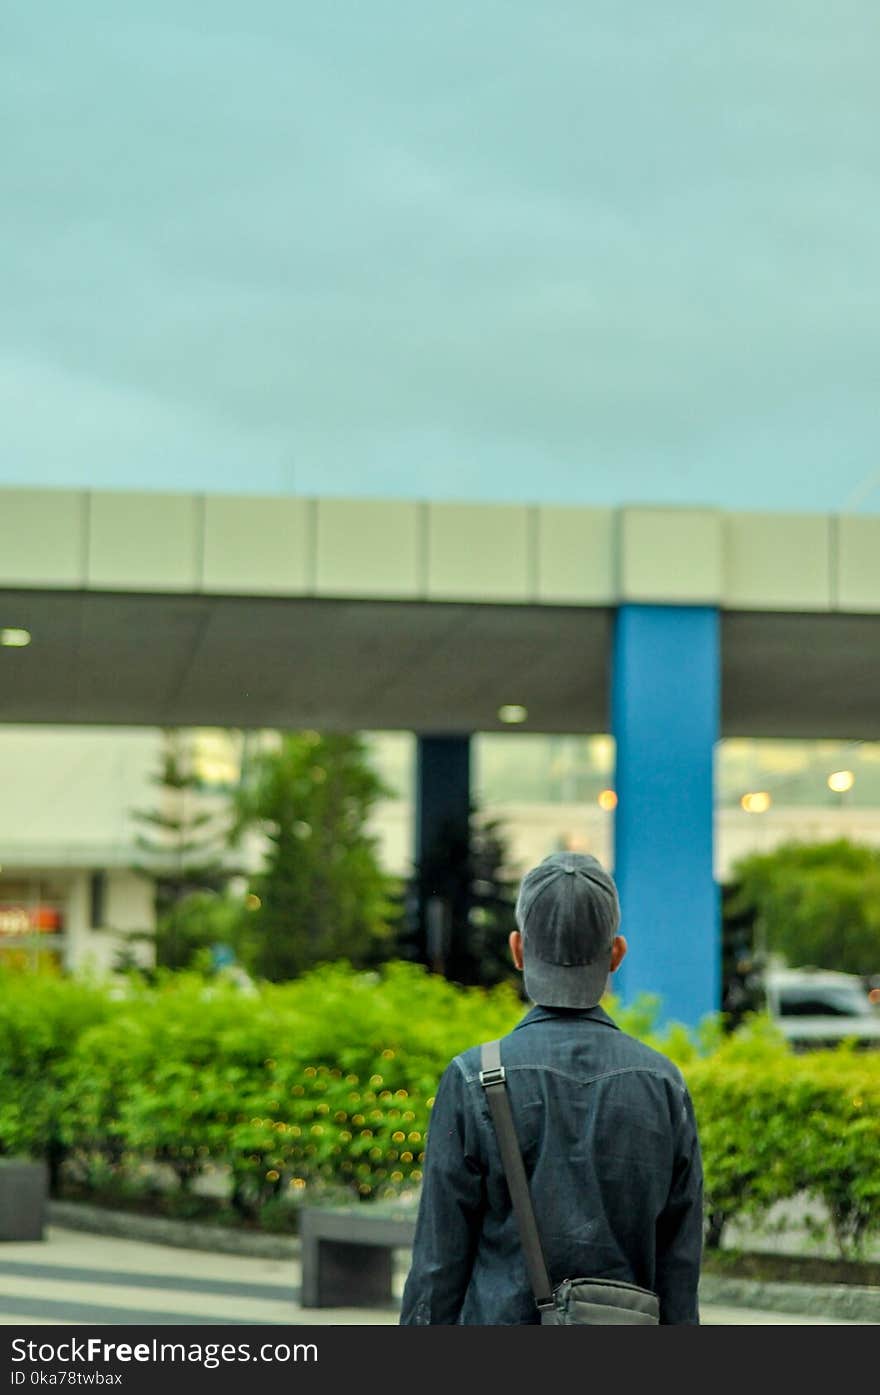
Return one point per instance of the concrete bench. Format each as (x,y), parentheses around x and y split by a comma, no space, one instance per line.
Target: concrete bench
(347,1254)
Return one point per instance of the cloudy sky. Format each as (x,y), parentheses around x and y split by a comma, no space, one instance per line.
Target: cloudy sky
(599,251)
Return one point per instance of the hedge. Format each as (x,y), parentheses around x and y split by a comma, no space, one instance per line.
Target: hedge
(41,1019)
(774,1125)
(326,1084)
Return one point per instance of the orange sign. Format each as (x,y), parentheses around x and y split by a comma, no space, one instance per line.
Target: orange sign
(26,920)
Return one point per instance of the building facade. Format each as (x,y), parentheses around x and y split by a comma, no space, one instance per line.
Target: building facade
(670,630)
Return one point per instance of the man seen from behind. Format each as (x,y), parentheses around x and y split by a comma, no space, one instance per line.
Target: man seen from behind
(605,1125)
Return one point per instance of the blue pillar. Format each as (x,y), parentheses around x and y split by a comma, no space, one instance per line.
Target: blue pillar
(442,829)
(665,715)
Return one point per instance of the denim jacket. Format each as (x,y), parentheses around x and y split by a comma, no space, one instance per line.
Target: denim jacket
(609,1141)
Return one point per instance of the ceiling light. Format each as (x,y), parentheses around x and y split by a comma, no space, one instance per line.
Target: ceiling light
(512,713)
(841,781)
(15,639)
(756,802)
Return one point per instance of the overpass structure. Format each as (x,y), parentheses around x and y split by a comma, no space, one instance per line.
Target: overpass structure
(667,627)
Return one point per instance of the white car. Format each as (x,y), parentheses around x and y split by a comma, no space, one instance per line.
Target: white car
(816,1007)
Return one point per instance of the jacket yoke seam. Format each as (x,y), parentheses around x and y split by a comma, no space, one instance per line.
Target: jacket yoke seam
(577,1079)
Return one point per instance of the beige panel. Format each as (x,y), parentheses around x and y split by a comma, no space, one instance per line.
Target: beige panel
(777,561)
(670,556)
(42,537)
(368,547)
(256,546)
(575,548)
(478,552)
(144,542)
(858,564)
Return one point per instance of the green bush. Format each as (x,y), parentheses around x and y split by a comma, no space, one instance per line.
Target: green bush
(774,1125)
(325,1081)
(739,1095)
(837,1104)
(41,1019)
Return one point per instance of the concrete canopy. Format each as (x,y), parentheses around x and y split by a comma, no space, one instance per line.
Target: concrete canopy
(256,661)
(159,609)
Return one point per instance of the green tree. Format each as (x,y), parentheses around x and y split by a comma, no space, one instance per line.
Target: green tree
(813,903)
(183,852)
(322,894)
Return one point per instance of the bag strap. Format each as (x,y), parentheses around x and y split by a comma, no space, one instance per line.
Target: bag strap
(493,1080)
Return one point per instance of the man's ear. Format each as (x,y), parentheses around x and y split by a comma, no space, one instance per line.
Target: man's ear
(618,952)
(514,939)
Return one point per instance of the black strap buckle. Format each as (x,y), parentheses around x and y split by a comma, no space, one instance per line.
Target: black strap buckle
(495,1076)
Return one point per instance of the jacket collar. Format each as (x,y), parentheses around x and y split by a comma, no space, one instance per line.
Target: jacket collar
(546,1014)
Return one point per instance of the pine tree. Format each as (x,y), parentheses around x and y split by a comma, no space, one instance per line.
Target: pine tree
(182,854)
(322,894)
(491,915)
(468,882)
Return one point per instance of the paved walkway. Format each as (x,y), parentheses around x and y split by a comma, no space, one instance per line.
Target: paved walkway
(77,1278)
